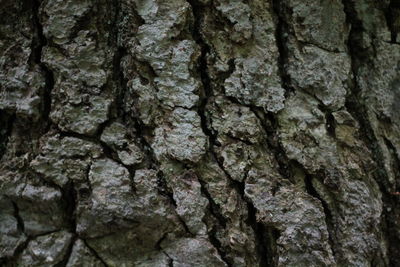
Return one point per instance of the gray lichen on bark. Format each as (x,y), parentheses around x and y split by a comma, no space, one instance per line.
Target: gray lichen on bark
(199,133)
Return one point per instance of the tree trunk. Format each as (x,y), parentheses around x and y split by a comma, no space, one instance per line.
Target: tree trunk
(199,133)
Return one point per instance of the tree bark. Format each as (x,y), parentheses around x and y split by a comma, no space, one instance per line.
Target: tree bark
(199,133)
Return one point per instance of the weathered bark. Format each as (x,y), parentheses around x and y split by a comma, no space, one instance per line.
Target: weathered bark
(199,133)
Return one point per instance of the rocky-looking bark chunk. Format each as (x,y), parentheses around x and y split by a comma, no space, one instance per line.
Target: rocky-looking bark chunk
(111,200)
(325,75)
(11,235)
(118,138)
(41,209)
(192,252)
(46,250)
(22,83)
(298,217)
(125,213)
(251,84)
(180,137)
(190,204)
(81,97)
(82,256)
(65,159)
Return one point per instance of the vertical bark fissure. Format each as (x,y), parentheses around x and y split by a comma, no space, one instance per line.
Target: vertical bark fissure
(138,125)
(7,121)
(217,245)
(38,43)
(392,13)
(119,78)
(122,87)
(67,256)
(354,104)
(204,95)
(264,255)
(264,243)
(281,36)
(327,212)
(206,92)
(69,195)
(215,208)
(270,126)
(215,211)
(395,163)
(20,221)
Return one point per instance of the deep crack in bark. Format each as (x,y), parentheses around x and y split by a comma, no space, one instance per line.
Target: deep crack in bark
(327,212)
(205,94)
(392,14)
(67,256)
(6,121)
(38,43)
(281,36)
(69,195)
(20,221)
(354,104)
(263,244)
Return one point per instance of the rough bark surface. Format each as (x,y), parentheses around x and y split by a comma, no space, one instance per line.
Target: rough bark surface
(199,133)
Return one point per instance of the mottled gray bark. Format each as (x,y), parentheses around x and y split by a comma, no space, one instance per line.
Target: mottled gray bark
(199,133)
